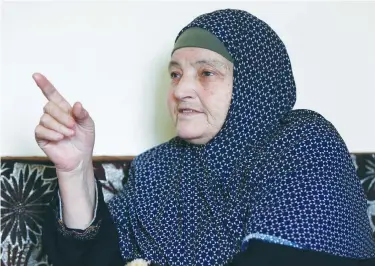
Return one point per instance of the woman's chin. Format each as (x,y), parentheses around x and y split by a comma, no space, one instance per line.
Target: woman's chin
(192,135)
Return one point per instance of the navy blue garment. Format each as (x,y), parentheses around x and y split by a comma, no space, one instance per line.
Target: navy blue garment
(272,173)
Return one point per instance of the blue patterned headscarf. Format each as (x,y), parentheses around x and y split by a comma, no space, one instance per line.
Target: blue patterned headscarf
(272,173)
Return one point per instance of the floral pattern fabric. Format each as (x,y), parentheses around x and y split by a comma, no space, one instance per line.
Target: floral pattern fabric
(27,187)
(365,164)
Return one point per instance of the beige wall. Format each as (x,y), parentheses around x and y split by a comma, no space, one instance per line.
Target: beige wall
(113,57)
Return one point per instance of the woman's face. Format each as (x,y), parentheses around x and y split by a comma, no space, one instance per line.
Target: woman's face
(200,93)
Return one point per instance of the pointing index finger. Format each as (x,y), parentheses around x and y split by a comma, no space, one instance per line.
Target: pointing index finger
(50,92)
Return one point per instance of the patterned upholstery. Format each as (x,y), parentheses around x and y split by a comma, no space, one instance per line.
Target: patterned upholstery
(27,187)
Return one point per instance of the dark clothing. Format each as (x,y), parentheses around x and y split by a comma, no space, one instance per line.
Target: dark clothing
(99,246)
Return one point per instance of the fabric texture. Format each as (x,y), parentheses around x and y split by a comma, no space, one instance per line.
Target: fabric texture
(103,249)
(27,189)
(270,171)
(20,247)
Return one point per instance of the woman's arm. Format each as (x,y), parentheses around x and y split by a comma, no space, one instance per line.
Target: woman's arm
(95,245)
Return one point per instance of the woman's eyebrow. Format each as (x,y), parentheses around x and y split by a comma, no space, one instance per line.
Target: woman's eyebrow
(173,64)
(212,63)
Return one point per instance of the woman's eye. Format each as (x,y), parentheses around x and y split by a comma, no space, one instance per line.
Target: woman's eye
(207,73)
(174,75)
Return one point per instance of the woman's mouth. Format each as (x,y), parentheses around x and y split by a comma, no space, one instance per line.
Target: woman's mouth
(188,112)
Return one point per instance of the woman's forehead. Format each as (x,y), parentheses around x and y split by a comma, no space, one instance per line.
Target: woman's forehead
(198,56)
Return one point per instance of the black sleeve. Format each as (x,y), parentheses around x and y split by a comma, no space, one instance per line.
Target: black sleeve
(260,253)
(96,245)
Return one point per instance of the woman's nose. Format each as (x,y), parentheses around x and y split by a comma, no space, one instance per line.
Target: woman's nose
(186,88)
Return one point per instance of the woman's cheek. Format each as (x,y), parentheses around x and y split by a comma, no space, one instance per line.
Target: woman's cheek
(171,102)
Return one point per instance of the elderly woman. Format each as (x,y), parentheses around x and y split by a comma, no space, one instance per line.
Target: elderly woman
(246,181)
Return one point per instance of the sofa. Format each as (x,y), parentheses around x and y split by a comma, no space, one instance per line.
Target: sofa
(28,185)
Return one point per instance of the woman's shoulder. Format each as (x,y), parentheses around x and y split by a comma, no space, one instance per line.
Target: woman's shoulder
(300,119)
(304,127)
(304,136)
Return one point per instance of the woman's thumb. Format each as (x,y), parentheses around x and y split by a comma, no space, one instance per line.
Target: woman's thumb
(81,115)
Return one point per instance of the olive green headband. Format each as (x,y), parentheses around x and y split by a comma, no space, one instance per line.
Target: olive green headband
(198,37)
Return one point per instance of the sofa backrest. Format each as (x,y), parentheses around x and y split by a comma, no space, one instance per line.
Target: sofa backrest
(28,185)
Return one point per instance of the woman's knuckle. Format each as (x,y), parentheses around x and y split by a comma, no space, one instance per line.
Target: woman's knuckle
(44,119)
(38,130)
